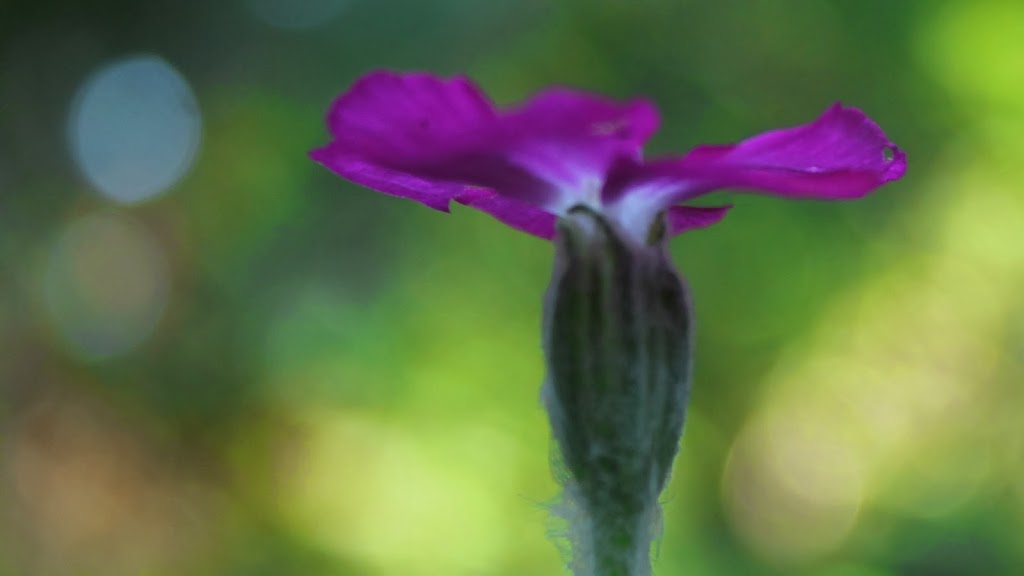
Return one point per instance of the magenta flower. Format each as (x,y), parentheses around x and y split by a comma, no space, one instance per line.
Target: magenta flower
(618,334)
(435,140)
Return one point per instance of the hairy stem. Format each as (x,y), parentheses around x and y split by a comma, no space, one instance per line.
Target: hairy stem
(617,342)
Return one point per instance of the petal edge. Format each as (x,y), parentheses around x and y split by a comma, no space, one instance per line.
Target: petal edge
(843,154)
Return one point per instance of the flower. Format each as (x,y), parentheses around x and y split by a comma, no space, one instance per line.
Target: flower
(618,332)
(435,140)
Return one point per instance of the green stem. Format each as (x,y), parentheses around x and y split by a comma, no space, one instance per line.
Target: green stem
(622,549)
(617,344)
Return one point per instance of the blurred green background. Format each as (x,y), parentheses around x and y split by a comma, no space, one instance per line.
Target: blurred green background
(216,358)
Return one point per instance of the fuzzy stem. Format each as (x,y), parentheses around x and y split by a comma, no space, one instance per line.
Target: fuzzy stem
(621,548)
(617,342)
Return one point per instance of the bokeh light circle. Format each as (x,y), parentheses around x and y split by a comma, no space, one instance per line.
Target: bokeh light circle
(134,128)
(105,285)
(793,488)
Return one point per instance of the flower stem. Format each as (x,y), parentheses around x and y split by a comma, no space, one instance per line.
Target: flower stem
(621,549)
(617,341)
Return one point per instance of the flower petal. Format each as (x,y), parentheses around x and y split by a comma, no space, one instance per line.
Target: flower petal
(516,213)
(435,194)
(843,154)
(419,137)
(679,219)
(411,119)
(572,114)
(572,138)
(426,138)
(434,185)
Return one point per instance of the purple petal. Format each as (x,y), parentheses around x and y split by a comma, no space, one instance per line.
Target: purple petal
(433,193)
(681,219)
(563,113)
(572,138)
(404,135)
(843,154)
(515,213)
(425,138)
(411,119)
